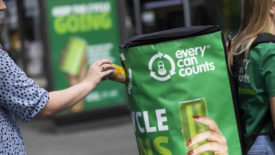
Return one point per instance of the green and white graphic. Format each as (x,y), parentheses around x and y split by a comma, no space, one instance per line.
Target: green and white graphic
(72,58)
(171,80)
(161,74)
(81,32)
(188,109)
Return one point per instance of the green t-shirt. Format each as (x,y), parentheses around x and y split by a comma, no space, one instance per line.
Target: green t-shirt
(256,78)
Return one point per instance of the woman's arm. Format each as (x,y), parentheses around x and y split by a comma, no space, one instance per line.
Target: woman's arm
(63,99)
(272,105)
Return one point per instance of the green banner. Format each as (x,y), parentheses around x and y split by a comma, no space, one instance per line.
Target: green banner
(81,32)
(171,81)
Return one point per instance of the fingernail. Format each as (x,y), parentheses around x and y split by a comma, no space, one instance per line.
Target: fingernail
(188,142)
(196,117)
(190,152)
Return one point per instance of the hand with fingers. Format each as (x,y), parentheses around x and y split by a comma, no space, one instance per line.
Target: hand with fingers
(98,71)
(216,142)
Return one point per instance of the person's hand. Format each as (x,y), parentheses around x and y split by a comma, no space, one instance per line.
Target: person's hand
(98,71)
(216,142)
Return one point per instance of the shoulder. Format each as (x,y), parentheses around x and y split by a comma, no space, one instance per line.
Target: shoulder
(263,50)
(4,56)
(2,53)
(263,38)
(5,60)
(262,56)
(264,45)
(8,67)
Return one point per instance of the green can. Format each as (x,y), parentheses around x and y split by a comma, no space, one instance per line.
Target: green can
(170,71)
(188,109)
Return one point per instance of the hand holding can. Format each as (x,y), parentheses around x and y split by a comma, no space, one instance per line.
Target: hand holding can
(190,127)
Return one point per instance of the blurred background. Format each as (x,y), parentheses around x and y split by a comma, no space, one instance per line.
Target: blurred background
(41,35)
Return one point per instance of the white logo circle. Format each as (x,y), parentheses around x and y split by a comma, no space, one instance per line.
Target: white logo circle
(161,68)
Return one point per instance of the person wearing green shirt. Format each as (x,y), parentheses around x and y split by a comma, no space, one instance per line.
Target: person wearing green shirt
(255,72)
(254,67)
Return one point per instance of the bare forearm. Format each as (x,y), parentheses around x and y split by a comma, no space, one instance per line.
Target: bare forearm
(66,98)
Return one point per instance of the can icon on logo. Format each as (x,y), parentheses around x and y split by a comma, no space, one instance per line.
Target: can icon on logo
(161,68)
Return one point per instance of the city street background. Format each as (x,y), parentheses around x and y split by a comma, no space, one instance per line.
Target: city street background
(109,136)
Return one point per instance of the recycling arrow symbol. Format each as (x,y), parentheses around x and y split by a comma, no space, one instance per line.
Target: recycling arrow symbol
(153,74)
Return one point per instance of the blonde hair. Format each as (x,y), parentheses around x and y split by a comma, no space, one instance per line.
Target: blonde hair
(254,20)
